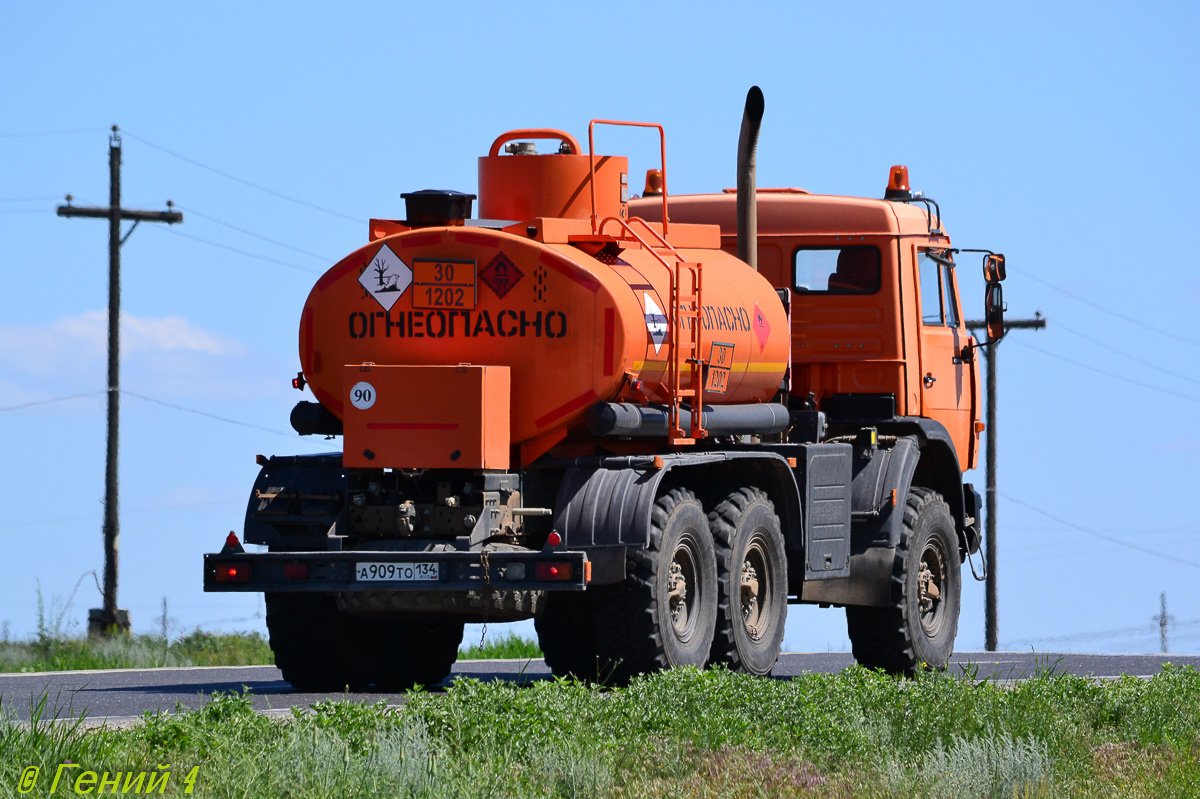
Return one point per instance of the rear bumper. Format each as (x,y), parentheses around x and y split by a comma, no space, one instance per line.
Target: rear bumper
(506,570)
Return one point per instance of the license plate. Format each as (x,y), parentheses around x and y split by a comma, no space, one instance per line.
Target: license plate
(396,572)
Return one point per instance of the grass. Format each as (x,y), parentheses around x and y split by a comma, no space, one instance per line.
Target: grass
(510,646)
(61,653)
(134,652)
(680,733)
(53,649)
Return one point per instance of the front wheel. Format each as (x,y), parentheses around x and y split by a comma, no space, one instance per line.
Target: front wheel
(917,628)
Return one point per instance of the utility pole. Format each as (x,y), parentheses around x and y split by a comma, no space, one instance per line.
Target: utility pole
(100,620)
(992,613)
(1163,620)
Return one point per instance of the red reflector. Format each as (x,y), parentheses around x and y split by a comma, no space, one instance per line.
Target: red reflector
(295,570)
(232,573)
(554,539)
(554,571)
(231,540)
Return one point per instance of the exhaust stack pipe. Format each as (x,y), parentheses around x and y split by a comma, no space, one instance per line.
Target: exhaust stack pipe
(747,189)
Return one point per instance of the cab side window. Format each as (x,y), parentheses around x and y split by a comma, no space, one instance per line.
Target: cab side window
(938,305)
(931,296)
(854,269)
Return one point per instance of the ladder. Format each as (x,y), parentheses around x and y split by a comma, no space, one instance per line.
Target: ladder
(685,328)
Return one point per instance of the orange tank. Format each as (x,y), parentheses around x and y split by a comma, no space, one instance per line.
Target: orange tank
(521,186)
(573,317)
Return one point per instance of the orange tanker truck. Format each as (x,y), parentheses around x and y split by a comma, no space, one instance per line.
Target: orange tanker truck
(647,423)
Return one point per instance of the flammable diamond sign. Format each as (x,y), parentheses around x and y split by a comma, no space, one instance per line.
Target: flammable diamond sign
(386,278)
(762,330)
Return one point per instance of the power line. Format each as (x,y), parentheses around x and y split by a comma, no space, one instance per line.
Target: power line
(1140,630)
(49,401)
(218,245)
(1128,356)
(1174,558)
(256,235)
(37,134)
(1173,335)
(245,253)
(7,525)
(1144,630)
(244,182)
(1099,371)
(198,412)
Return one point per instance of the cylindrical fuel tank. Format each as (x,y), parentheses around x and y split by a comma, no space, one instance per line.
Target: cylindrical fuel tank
(571,327)
(527,186)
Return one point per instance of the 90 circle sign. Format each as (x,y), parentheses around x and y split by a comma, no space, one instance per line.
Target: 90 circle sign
(362,396)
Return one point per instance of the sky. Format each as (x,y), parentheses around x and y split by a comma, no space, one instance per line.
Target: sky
(1062,134)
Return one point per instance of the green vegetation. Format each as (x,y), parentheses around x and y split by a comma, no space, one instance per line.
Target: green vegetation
(511,647)
(60,653)
(52,653)
(680,733)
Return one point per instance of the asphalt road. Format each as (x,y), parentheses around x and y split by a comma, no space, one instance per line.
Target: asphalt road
(120,696)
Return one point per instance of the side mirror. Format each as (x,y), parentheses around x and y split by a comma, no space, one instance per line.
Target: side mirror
(993,309)
(993,268)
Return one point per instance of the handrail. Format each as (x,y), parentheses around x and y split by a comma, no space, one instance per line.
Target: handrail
(642,241)
(666,244)
(662,135)
(534,133)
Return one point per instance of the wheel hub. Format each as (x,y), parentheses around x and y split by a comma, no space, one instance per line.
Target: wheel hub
(756,588)
(750,606)
(931,584)
(677,593)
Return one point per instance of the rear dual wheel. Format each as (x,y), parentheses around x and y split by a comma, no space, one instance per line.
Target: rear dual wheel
(664,613)
(705,589)
(752,582)
(319,648)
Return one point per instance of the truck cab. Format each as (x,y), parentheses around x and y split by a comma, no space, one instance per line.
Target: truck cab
(878,332)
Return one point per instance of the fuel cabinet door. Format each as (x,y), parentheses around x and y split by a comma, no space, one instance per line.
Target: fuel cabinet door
(827,505)
(427,417)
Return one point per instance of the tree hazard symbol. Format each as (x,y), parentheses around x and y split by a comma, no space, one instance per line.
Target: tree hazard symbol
(501,274)
(762,330)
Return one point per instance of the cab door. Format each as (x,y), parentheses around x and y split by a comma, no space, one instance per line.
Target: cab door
(946,390)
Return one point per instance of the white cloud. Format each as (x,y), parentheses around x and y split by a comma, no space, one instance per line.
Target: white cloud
(43,347)
(143,334)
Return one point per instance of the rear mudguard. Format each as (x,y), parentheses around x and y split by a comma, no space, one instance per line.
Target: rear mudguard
(604,505)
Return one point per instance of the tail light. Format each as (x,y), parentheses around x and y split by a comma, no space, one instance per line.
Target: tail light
(295,570)
(232,573)
(554,571)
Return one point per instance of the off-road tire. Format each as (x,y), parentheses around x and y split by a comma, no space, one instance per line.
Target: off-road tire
(411,653)
(902,637)
(751,582)
(639,626)
(317,647)
(566,634)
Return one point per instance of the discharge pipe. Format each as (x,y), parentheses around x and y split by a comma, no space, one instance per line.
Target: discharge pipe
(747,188)
(628,419)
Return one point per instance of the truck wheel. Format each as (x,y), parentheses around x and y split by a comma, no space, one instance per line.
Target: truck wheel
(316,646)
(751,582)
(918,627)
(665,612)
(566,635)
(414,652)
